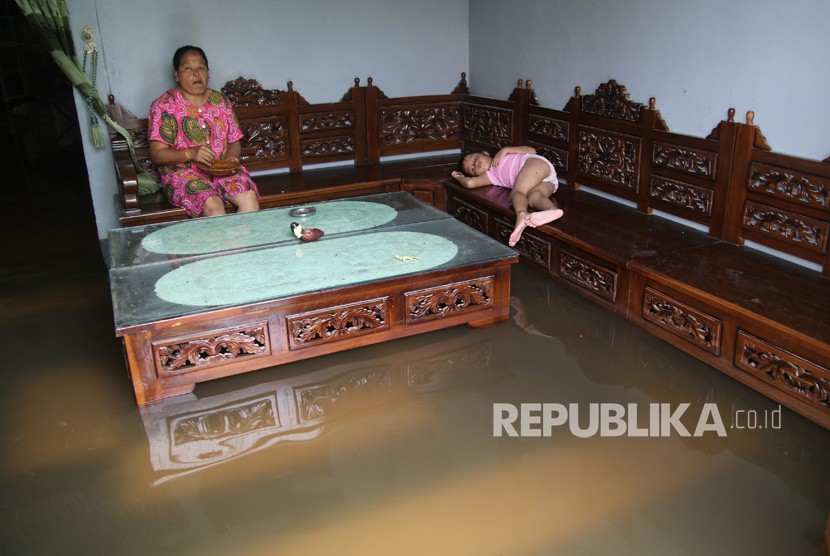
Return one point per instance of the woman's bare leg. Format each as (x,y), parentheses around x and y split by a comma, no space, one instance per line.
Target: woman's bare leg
(213,206)
(245,202)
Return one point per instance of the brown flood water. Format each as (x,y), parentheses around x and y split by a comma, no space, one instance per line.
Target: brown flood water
(387,449)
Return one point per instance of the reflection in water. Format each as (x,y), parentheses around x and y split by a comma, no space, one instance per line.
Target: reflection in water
(187,434)
(389,449)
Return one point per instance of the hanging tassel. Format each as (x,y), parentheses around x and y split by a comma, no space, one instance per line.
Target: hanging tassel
(97,134)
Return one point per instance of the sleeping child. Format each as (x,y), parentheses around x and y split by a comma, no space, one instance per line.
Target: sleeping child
(531,178)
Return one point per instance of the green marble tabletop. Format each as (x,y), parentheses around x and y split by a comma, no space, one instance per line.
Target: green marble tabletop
(171,270)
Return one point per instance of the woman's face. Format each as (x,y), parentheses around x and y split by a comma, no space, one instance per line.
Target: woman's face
(192,74)
(476,164)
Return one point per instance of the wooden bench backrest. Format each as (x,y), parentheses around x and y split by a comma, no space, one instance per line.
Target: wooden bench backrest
(729,182)
(779,200)
(407,125)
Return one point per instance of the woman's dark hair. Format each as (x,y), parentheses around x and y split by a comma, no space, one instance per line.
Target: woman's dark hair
(177,57)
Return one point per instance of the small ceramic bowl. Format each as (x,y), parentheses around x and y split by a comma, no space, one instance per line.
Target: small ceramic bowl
(302,212)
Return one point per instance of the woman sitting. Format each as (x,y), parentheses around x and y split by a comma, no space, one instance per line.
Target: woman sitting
(192,125)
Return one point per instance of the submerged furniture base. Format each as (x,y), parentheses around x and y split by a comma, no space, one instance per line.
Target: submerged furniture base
(169,357)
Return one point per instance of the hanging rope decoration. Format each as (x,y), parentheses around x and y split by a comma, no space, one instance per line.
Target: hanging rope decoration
(91,51)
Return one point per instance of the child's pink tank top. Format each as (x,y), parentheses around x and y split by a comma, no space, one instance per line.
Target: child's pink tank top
(509,167)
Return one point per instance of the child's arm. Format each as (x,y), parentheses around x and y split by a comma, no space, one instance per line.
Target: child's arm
(512,150)
(471,182)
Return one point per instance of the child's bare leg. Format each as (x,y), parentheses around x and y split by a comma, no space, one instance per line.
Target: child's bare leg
(546,209)
(520,206)
(530,177)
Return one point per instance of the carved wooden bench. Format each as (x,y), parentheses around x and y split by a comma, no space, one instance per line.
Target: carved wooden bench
(756,317)
(657,237)
(284,132)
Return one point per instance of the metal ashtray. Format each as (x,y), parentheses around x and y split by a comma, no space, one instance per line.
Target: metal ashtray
(302,212)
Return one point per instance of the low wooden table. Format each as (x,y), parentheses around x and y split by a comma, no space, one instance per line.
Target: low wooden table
(214,297)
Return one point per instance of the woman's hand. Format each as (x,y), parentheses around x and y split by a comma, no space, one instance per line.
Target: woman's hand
(203,154)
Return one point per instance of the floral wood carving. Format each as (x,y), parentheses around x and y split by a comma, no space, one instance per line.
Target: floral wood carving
(248,92)
(433,123)
(681,320)
(328,147)
(611,100)
(337,323)
(450,299)
(789,185)
(698,163)
(549,127)
(786,226)
(610,156)
(532,247)
(558,157)
(470,216)
(596,279)
(489,126)
(227,422)
(790,372)
(315,402)
(683,195)
(264,139)
(326,121)
(222,348)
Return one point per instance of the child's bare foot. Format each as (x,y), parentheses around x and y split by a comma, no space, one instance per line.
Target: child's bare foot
(521,224)
(543,217)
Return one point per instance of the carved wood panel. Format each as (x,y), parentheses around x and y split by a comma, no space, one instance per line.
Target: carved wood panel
(317,401)
(683,195)
(337,323)
(325,121)
(786,226)
(683,159)
(448,300)
(531,246)
(789,185)
(488,125)
(330,146)
(611,100)
(211,348)
(550,128)
(688,323)
(613,157)
(474,217)
(427,123)
(248,92)
(242,417)
(789,372)
(558,157)
(265,139)
(588,275)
